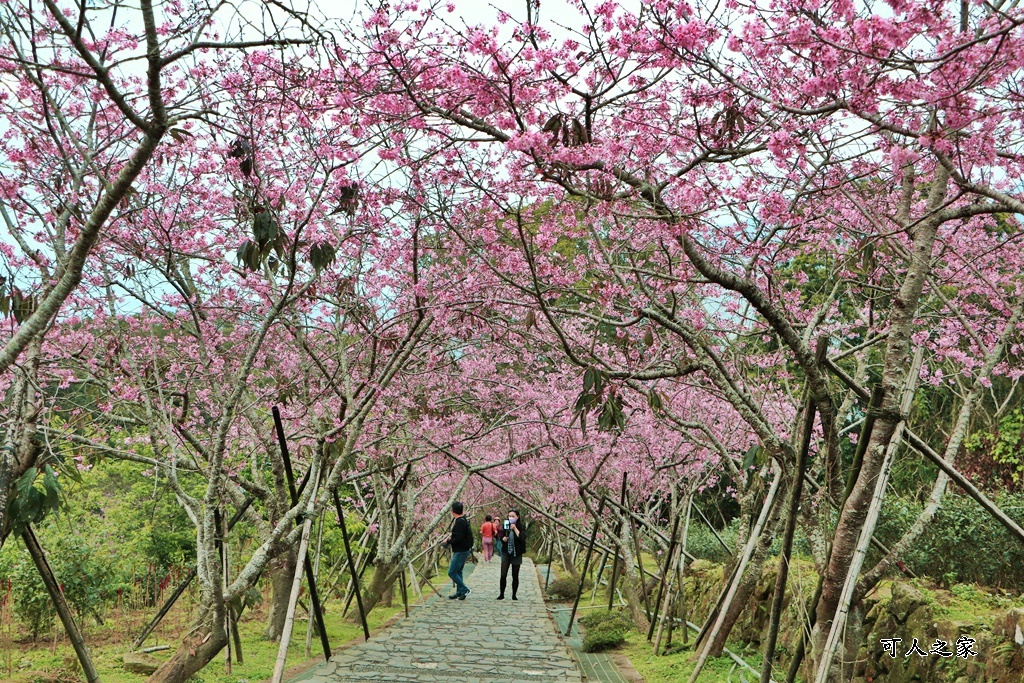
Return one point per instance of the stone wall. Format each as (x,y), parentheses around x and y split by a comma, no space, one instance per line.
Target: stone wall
(896,610)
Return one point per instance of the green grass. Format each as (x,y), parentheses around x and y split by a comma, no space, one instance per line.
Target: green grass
(108,643)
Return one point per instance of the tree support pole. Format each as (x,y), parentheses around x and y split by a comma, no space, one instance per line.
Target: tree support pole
(838,625)
(666,608)
(805,633)
(293,599)
(782,576)
(314,597)
(664,574)
(640,565)
(364,559)
(755,536)
(615,560)
(60,604)
(351,563)
(586,566)
(597,579)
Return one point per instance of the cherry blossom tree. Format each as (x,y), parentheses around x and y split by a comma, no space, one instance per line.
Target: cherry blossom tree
(719,160)
(91,95)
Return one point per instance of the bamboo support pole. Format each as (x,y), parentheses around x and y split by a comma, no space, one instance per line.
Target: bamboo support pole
(669,556)
(316,575)
(615,561)
(782,576)
(675,573)
(586,566)
(293,598)
(755,535)
(314,596)
(870,520)
(351,565)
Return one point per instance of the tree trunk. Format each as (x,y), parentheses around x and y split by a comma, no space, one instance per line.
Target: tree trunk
(632,586)
(281,570)
(567,563)
(196,651)
(897,360)
(746,588)
(384,576)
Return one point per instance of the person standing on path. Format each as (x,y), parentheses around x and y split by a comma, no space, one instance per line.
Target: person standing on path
(513,547)
(461,543)
(487,534)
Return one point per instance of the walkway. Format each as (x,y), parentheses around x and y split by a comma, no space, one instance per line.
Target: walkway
(477,640)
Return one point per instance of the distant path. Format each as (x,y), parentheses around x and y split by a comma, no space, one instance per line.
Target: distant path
(476,640)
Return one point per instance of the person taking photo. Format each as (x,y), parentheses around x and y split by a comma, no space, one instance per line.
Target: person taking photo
(513,548)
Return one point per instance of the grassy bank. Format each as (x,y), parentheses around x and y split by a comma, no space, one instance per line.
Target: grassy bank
(49,660)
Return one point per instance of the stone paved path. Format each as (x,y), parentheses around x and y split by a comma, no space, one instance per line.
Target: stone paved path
(460,641)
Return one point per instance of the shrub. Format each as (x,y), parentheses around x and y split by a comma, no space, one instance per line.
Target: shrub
(565,588)
(701,542)
(959,523)
(618,619)
(604,637)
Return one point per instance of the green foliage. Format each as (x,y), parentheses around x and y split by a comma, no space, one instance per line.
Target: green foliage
(1005,445)
(85,576)
(34,497)
(31,601)
(618,618)
(995,559)
(605,630)
(702,544)
(117,534)
(602,638)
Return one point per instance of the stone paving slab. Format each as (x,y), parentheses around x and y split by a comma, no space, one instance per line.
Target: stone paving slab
(476,640)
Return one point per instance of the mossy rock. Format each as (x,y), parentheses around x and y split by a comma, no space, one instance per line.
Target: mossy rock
(905,601)
(140,663)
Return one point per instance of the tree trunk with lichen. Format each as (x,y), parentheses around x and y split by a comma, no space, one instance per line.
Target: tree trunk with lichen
(197,649)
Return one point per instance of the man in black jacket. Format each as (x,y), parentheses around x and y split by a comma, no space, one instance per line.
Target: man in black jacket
(461,543)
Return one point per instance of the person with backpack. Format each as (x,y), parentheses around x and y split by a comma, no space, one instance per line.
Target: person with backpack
(513,547)
(461,544)
(487,533)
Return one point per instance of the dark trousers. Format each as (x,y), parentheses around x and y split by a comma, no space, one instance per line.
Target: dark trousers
(515,563)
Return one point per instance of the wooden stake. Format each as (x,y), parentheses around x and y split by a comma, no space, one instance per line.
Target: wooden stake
(59,603)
